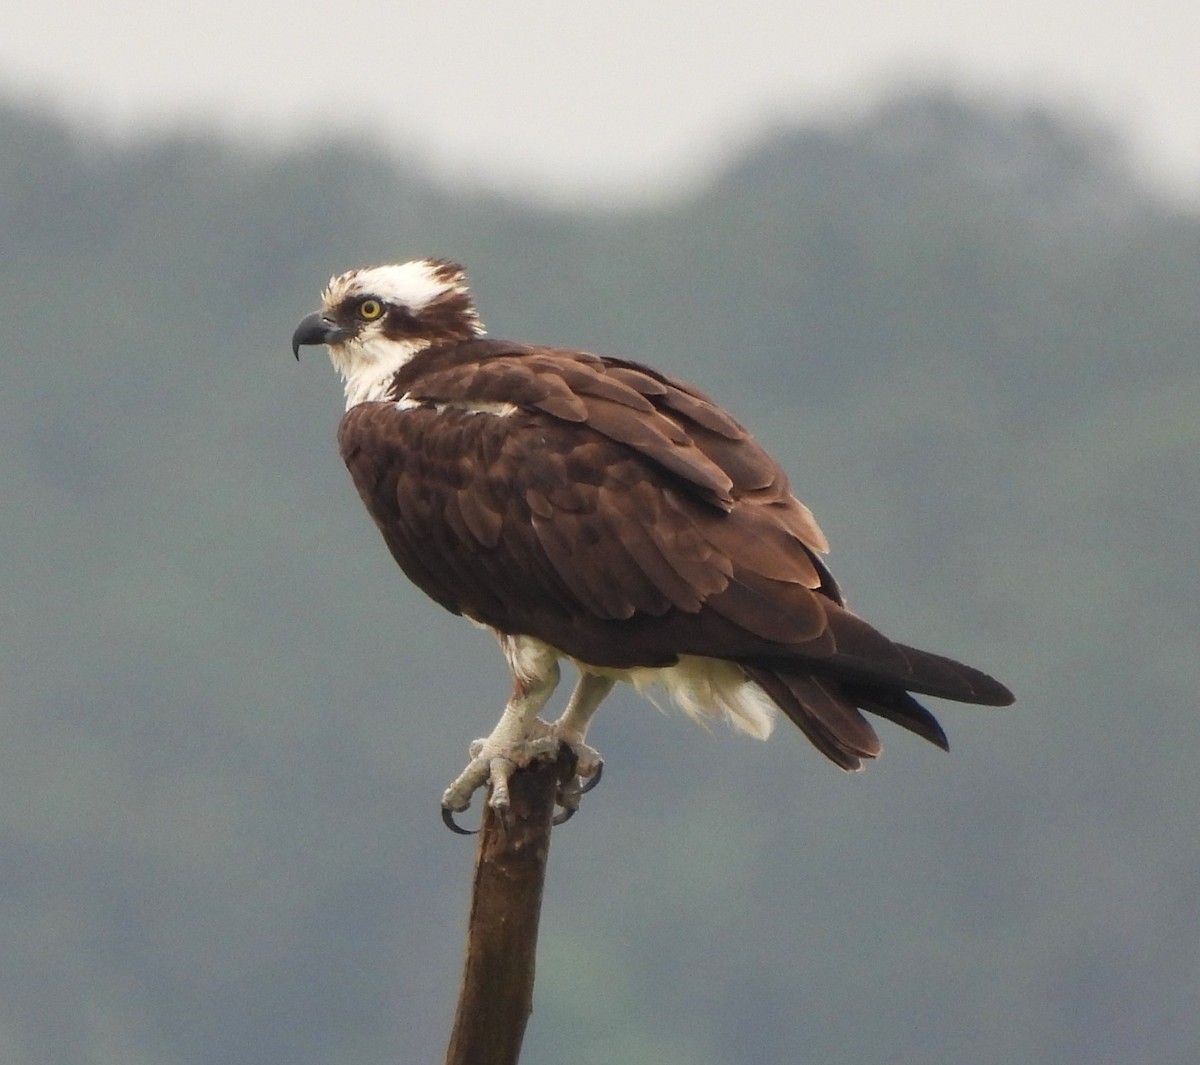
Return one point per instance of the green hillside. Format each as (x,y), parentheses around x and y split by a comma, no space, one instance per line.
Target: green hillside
(972,339)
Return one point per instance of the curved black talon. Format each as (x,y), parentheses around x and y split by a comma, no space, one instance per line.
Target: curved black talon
(450,823)
(568,798)
(585,787)
(562,818)
(592,781)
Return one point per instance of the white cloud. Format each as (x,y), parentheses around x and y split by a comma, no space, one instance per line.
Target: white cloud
(587,97)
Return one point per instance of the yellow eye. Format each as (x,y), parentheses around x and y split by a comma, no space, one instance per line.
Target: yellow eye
(369,310)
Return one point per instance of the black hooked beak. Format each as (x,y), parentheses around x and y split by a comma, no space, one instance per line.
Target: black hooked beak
(317,329)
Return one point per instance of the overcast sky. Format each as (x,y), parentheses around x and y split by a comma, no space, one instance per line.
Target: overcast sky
(592,99)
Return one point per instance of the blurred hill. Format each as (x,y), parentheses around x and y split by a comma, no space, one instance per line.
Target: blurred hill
(971,338)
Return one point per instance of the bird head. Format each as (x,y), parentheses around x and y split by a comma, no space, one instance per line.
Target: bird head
(375,319)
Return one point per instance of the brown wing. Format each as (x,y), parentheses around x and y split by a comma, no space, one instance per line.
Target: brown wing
(625,519)
(599,451)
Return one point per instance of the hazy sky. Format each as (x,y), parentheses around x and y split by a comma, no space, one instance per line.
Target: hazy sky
(624,95)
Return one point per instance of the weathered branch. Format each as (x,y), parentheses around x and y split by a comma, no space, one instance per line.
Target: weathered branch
(510,870)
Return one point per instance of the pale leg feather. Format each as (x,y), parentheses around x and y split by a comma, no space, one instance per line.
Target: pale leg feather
(572,727)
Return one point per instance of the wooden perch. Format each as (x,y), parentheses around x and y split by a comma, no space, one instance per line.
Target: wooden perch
(510,871)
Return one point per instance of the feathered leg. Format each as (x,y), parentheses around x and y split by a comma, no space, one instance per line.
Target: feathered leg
(519,736)
(571,729)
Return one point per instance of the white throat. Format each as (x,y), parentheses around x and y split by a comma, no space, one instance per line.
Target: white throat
(368,366)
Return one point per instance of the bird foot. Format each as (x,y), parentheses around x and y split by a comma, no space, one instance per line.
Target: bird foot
(494,759)
(589,767)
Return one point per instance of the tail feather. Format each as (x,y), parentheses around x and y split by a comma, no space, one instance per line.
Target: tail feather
(932,674)
(864,654)
(826,707)
(854,667)
(902,709)
(821,710)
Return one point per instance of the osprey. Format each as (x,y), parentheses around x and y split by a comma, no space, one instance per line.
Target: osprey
(595,510)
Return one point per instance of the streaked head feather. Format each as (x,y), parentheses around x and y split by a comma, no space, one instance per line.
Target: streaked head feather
(413,285)
(425,302)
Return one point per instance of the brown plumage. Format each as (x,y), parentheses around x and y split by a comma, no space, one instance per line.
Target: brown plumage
(615,514)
